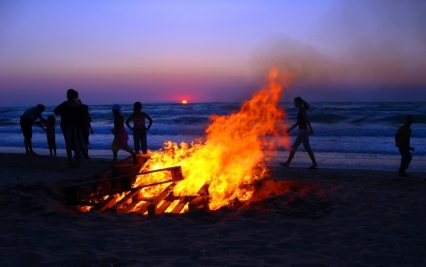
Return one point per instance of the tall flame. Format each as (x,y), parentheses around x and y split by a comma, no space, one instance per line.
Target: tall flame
(232,154)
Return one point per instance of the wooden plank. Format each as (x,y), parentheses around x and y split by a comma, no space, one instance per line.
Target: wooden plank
(179,206)
(193,205)
(123,176)
(109,202)
(153,206)
(164,206)
(142,209)
(133,192)
(128,208)
(176,173)
(203,190)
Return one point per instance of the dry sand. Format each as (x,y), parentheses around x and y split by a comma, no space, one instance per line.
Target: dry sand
(324,217)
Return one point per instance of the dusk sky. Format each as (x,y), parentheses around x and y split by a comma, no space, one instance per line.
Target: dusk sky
(202,51)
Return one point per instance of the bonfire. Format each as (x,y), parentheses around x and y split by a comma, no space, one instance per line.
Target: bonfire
(224,165)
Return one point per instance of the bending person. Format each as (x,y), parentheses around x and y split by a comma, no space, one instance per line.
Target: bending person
(27,120)
(304,132)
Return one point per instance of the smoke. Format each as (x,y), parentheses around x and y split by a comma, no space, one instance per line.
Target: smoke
(359,44)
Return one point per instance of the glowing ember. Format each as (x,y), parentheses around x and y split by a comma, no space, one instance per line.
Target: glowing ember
(232,154)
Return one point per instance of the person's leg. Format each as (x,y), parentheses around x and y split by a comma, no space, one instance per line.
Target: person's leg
(114,149)
(77,153)
(54,146)
(299,139)
(136,140)
(308,149)
(289,159)
(26,129)
(67,138)
(144,142)
(405,160)
(129,149)
(27,145)
(86,144)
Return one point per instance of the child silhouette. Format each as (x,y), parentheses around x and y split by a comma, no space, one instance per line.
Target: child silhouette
(120,134)
(49,128)
(139,128)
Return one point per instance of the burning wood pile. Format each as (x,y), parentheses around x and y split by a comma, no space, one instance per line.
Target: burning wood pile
(209,173)
(114,189)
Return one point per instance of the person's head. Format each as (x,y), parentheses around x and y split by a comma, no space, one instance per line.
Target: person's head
(51,119)
(299,102)
(408,120)
(137,106)
(116,109)
(85,106)
(72,95)
(41,107)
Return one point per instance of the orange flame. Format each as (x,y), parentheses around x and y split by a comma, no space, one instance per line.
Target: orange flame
(232,154)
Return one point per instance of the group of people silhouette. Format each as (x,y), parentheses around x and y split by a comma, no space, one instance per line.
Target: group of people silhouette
(76,128)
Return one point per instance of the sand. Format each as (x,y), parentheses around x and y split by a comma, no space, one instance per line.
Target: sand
(324,217)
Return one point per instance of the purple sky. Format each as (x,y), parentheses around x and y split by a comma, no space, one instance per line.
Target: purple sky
(162,51)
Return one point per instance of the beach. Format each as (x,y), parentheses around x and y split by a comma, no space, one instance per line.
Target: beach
(323,217)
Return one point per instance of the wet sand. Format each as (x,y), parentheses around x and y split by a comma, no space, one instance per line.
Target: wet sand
(298,217)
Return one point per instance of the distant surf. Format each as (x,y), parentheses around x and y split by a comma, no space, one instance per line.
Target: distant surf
(350,127)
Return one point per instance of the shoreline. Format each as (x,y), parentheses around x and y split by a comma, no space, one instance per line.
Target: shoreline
(327,160)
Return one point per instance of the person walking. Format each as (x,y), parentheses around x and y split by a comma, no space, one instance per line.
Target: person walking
(402,141)
(305,129)
(26,121)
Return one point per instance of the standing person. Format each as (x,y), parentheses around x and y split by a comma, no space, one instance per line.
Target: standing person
(87,129)
(50,133)
(402,141)
(26,121)
(120,134)
(72,121)
(139,128)
(304,132)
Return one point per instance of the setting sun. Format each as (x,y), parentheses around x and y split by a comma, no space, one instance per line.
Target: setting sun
(184,102)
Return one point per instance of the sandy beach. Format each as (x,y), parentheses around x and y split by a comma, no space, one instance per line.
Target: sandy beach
(298,217)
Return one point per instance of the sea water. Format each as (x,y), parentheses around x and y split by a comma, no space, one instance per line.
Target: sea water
(350,127)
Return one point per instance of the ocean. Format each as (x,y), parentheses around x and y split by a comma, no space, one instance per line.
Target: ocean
(349,127)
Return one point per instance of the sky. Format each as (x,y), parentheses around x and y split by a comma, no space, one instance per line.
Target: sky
(202,51)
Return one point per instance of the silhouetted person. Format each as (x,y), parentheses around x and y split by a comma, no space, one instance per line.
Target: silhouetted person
(87,129)
(72,123)
(139,128)
(27,120)
(120,134)
(305,129)
(49,128)
(402,141)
